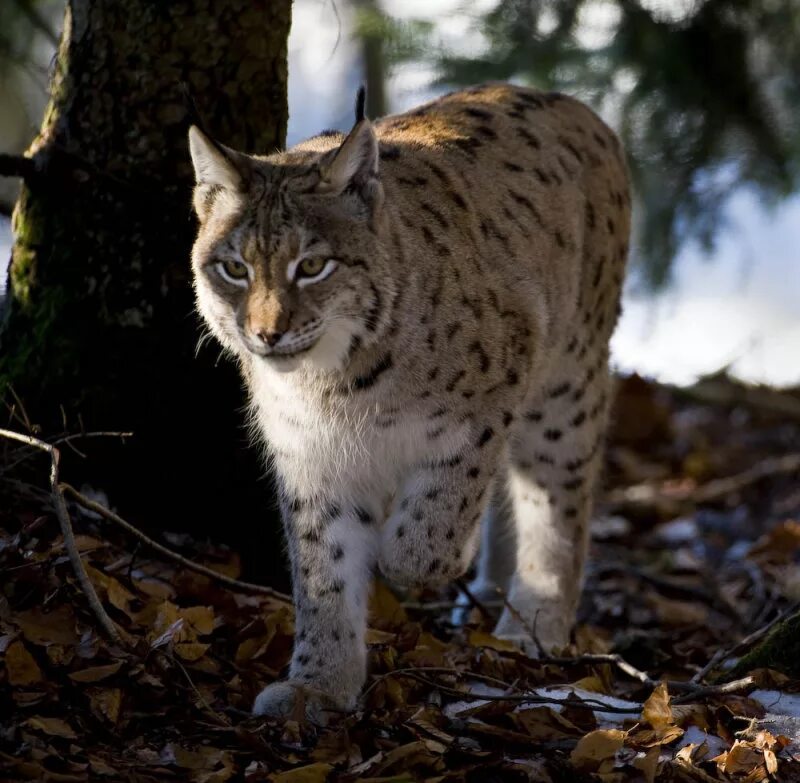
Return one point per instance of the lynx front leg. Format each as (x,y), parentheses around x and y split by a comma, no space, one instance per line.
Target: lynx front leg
(333,548)
(432,534)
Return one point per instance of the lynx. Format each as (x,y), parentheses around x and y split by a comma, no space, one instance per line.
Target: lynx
(421,311)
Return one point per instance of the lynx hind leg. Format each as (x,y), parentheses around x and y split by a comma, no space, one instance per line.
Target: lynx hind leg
(497,559)
(555,458)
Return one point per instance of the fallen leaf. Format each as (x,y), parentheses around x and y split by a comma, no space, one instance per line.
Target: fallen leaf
(105,702)
(191,651)
(483,639)
(53,726)
(647,763)
(43,628)
(596,748)
(313,773)
(657,711)
(384,607)
(21,666)
(96,673)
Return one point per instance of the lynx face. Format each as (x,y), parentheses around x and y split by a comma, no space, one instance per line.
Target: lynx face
(288,263)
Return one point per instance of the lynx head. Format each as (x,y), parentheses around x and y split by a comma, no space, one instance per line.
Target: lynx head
(289,263)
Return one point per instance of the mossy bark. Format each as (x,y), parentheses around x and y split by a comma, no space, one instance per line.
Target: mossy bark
(779,650)
(99,319)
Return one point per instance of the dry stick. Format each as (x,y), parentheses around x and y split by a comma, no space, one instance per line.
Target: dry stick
(97,508)
(66,531)
(734,686)
(717,489)
(520,697)
(612,658)
(473,600)
(689,690)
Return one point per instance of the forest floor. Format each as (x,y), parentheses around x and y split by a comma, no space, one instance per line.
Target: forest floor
(696,545)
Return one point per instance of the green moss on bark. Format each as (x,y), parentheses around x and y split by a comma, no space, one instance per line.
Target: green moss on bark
(779,650)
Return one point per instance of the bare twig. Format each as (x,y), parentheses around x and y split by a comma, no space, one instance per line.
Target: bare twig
(66,531)
(734,686)
(690,690)
(717,489)
(719,389)
(473,600)
(530,630)
(7,468)
(97,508)
(512,695)
(612,658)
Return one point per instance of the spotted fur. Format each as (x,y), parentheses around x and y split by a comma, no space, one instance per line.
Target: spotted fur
(452,366)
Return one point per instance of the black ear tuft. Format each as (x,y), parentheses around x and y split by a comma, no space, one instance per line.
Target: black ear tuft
(361,100)
(193,116)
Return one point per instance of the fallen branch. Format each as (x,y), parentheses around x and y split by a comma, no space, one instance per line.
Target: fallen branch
(526,697)
(97,508)
(474,601)
(689,690)
(720,389)
(106,623)
(717,489)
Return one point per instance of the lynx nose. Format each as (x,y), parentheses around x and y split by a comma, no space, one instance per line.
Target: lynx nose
(269,338)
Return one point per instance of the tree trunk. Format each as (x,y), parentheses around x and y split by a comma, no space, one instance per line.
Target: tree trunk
(99,320)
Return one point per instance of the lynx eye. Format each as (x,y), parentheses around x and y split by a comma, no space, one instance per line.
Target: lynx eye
(235,271)
(313,269)
(310,267)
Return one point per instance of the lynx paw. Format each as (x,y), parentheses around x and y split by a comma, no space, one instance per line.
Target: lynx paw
(552,634)
(292,700)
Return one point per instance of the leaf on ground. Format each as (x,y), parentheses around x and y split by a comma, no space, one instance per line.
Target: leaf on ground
(105,703)
(96,673)
(647,763)
(43,628)
(483,639)
(313,773)
(384,607)
(595,752)
(21,666)
(544,724)
(53,726)
(657,711)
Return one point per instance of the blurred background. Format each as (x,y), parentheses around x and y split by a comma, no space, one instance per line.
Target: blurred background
(704,94)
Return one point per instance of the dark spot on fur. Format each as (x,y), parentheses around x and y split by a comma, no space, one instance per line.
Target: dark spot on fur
(485,437)
(364,516)
(559,391)
(459,200)
(453,382)
(481,114)
(578,419)
(371,378)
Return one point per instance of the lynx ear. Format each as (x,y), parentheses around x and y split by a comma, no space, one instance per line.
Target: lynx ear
(354,164)
(212,162)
